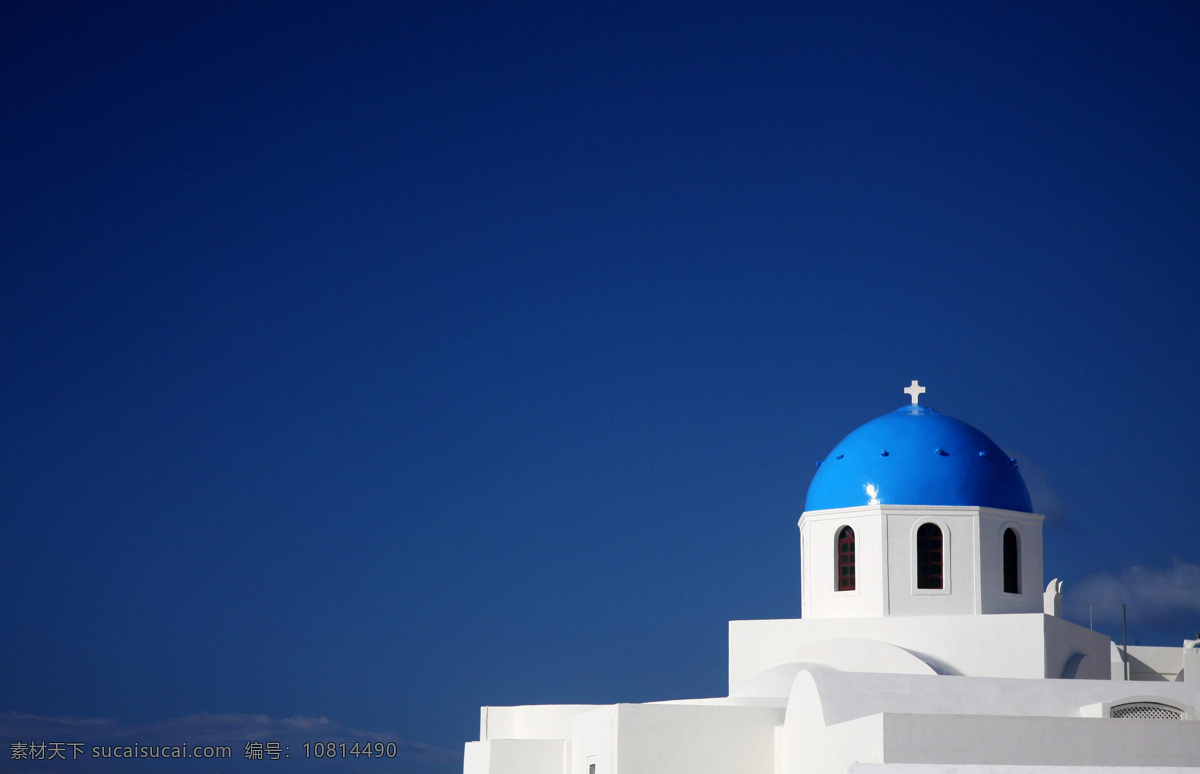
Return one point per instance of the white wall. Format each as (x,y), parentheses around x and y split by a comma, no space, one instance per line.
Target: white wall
(696,739)
(811,744)
(835,719)
(818,563)
(1151,663)
(885,560)
(515,756)
(835,748)
(594,740)
(1028,527)
(850,654)
(979,645)
(534,721)
(958,595)
(476,758)
(1039,740)
(844,696)
(1068,647)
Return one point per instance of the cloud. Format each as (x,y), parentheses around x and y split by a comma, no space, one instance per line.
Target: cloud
(1154,597)
(213,729)
(1046,500)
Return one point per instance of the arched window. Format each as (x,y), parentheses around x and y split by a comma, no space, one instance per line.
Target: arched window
(845,560)
(1012,563)
(929,557)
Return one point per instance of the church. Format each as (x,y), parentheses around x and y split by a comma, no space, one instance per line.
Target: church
(926,645)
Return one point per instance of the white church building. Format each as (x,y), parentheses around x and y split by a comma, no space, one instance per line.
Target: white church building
(926,645)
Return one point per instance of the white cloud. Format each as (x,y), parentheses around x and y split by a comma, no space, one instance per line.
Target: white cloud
(1162,597)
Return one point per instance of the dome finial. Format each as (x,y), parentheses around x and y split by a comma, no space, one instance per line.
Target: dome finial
(915,390)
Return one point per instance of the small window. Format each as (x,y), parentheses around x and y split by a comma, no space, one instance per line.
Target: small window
(1012,563)
(845,560)
(929,557)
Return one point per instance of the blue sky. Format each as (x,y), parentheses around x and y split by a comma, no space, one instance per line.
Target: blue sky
(367,363)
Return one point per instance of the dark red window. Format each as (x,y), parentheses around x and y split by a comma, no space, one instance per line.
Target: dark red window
(845,560)
(1012,563)
(929,557)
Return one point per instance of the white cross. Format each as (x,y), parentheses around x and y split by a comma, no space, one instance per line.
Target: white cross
(915,390)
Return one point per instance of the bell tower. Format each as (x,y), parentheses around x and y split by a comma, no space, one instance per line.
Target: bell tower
(916,513)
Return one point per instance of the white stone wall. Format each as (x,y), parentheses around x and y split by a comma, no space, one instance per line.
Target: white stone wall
(594,741)
(515,756)
(1072,651)
(534,721)
(837,719)
(818,564)
(910,738)
(958,595)
(1023,645)
(1028,527)
(886,554)
(696,739)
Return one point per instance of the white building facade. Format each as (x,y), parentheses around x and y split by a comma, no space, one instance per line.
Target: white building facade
(926,645)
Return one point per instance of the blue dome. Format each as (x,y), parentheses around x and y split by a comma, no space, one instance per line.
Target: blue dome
(916,456)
